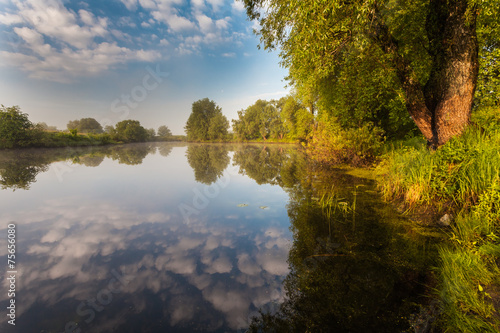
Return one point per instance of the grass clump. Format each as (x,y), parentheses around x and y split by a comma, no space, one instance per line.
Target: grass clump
(466,173)
(466,306)
(459,171)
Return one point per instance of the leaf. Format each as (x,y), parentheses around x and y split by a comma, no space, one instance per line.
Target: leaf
(479,287)
(242,205)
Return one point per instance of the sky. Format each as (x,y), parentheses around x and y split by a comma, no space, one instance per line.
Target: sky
(147,60)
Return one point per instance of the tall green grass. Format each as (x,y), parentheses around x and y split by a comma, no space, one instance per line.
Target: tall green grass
(466,173)
(459,171)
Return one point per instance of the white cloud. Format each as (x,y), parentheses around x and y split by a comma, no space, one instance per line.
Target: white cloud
(130,4)
(73,51)
(51,18)
(86,17)
(10,19)
(67,65)
(238,6)
(175,22)
(148,4)
(222,23)
(216,4)
(206,24)
(229,55)
(198,4)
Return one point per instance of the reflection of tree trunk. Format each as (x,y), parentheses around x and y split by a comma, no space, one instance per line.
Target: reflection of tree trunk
(441,109)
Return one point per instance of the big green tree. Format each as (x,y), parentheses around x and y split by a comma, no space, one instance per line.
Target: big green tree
(15,128)
(130,131)
(430,47)
(206,122)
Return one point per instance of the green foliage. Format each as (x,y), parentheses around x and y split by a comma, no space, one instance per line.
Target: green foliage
(15,128)
(332,55)
(259,121)
(459,171)
(85,125)
(465,171)
(356,60)
(130,131)
(217,130)
(330,144)
(487,118)
(206,122)
(297,120)
(164,132)
(362,91)
(466,305)
(44,127)
(488,86)
(151,134)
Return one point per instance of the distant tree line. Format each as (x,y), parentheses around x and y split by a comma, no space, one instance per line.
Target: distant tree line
(17,131)
(286,119)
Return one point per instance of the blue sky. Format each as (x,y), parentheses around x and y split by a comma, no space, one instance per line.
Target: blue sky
(148,60)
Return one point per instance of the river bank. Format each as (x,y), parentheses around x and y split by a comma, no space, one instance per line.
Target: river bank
(456,187)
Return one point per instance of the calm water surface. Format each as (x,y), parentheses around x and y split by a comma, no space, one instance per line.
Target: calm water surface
(197,238)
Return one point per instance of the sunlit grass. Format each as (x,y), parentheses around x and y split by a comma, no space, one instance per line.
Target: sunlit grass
(465,173)
(459,171)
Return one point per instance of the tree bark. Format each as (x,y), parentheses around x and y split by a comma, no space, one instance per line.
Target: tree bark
(441,108)
(453,45)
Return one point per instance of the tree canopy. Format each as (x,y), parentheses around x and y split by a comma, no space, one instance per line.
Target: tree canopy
(15,127)
(260,120)
(371,60)
(206,122)
(164,132)
(131,131)
(85,125)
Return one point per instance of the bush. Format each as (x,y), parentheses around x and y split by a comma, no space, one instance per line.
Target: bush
(330,144)
(15,128)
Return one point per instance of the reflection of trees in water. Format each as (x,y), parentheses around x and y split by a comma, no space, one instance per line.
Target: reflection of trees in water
(132,154)
(91,160)
(19,174)
(208,161)
(276,165)
(165,149)
(19,168)
(351,270)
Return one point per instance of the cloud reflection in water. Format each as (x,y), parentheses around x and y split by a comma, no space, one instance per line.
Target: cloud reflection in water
(208,273)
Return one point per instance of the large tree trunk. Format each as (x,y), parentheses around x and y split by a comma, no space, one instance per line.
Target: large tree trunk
(453,45)
(441,109)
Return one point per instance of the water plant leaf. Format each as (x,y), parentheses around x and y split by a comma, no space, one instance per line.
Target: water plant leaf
(480,287)
(263,207)
(242,205)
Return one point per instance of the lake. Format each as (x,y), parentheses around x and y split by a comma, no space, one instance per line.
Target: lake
(172,237)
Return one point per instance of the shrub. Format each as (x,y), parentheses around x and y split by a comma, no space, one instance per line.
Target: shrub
(330,144)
